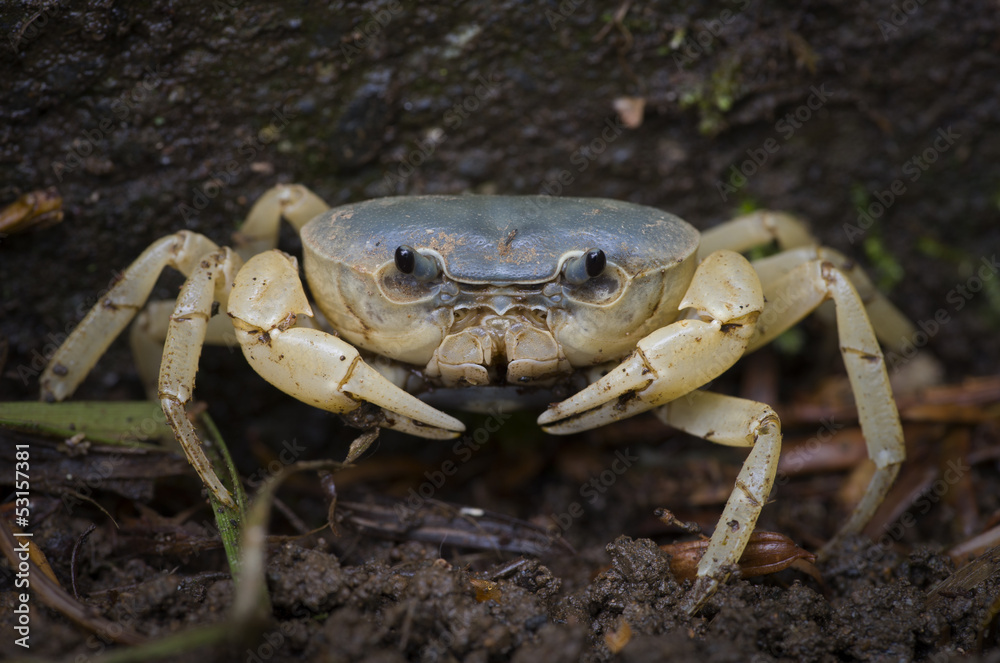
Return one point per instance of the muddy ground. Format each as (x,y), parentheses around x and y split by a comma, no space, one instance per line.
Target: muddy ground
(155,116)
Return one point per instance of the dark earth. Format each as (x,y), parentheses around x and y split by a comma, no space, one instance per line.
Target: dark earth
(876,122)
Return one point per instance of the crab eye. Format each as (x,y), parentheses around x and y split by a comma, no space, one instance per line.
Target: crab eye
(587,266)
(409,261)
(595,260)
(406,259)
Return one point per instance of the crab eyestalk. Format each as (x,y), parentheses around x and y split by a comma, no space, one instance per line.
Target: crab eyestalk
(584,267)
(410,261)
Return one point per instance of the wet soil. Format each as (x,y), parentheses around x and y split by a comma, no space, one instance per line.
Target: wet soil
(150,117)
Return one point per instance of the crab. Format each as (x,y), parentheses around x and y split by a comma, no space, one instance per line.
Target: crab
(467,301)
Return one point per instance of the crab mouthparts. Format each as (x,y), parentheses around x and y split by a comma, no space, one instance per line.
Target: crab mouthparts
(485,347)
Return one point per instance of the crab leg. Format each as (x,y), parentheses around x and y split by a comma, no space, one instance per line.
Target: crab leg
(209,282)
(182,251)
(790,298)
(798,245)
(313,366)
(259,231)
(149,332)
(756,229)
(735,422)
(675,359)
(891,326)
(80,351)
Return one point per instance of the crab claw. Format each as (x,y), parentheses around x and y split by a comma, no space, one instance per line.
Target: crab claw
(314,366)
(667,364)
(326,372)
(676,359)
(415,416)
(613,397)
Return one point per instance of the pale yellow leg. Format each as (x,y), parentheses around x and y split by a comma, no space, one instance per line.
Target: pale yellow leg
(211,273)
(259,232)
(756,229)
(735,422)
(102,324)
(209,282)
(798,245)
(793,296)
(891,326)
(149,331)
(105,321)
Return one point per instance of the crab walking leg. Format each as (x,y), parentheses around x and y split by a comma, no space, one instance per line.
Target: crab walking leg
(102,324)
(209,282)
(792,297)
(798,245)
(259,231)
(756,229)
(675,359)
(735,422)
(149,331)
(891,326)
(313,366)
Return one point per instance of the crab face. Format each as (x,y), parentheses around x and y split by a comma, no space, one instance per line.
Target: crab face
(494,289)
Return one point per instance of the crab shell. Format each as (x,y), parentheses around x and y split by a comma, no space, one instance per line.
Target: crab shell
(501,261)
